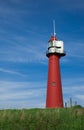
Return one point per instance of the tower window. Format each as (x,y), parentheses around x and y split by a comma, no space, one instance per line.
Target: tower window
(53,83)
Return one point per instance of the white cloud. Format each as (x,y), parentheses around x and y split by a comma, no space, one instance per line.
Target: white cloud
(19,49)
(16,94)
(17,8)
(74,49)
(72,90)
(80,98)
(73,85)
(33,94)
(22,104)
(11,72)
(7,10)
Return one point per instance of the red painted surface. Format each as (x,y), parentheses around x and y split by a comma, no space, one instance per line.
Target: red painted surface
(54,97)
(53,38)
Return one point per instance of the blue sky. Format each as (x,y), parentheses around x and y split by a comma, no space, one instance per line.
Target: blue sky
(25,28)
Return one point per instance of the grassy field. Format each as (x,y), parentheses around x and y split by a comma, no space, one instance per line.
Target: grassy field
(42,119)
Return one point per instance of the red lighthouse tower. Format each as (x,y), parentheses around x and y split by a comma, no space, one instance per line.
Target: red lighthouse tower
(55,51)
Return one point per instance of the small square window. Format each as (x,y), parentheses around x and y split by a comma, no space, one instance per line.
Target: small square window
(53,83)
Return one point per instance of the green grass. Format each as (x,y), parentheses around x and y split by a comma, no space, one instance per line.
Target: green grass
(42,119)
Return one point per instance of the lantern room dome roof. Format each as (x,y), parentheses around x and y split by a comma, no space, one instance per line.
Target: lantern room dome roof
(53,38)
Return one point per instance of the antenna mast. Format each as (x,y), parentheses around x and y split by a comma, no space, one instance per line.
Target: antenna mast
(54,27)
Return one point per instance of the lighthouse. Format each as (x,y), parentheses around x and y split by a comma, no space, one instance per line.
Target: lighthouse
(54,97)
